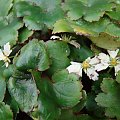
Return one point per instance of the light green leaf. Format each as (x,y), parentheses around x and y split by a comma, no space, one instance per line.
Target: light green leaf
(91,10)
(105,41)
(33,56)
(113,30)
(62,26)
(58,59)
(37,19)
(75,9)
(118,77)
(5,6)
(96,9)
(115,14)
(3,23)
(67,89)
(90,29)
(5,112)
(23,89)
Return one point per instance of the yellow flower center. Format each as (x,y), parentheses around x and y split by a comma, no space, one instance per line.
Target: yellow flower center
(85,65)
(6,59)
(113,62)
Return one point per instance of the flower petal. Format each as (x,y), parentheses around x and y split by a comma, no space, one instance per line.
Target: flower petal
(75,68)
(92,74)
(55,37)
(104,58)
(94,61)
(117,68)
(101,66)
(113,54)
(2,57)
(7,50)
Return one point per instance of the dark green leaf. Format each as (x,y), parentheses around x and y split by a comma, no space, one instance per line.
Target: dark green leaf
(23,90)
(24,35)
(109,99)
(10,33)
(47,108)
(33,56)
(80,54)
(58,52)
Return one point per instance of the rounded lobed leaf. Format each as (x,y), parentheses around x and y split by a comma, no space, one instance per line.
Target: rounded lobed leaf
(33,56)
(67,89)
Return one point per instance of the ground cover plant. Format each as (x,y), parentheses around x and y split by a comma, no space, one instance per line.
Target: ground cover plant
(59,59)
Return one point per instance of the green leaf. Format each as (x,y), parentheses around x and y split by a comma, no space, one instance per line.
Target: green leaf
(67,89)
(80,54)
(7,73)
(62,26)
(3,23)
(114,14)
(113,30)
(37,19)
(109,99)
(92,106)
(118,77)
(91,10)
(105,41)
(12,103)
(5,112)
(96,9)
(23,89)
(68,115)
(2,88)
(24,35)
(26,10)
(90,29)
(81,104)
(9,33)
(2,83)
(58,59)
(75,9)
(5,6)
(33,56)
(47,108)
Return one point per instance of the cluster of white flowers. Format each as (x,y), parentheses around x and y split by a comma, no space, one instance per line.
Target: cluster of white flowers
(91,66)
(4,54)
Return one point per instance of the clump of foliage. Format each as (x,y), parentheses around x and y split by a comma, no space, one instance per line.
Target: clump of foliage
(33,75)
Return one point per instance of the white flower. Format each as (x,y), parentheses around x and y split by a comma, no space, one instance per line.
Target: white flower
(55,37)
(88,66)
(110,60)
(5,53)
